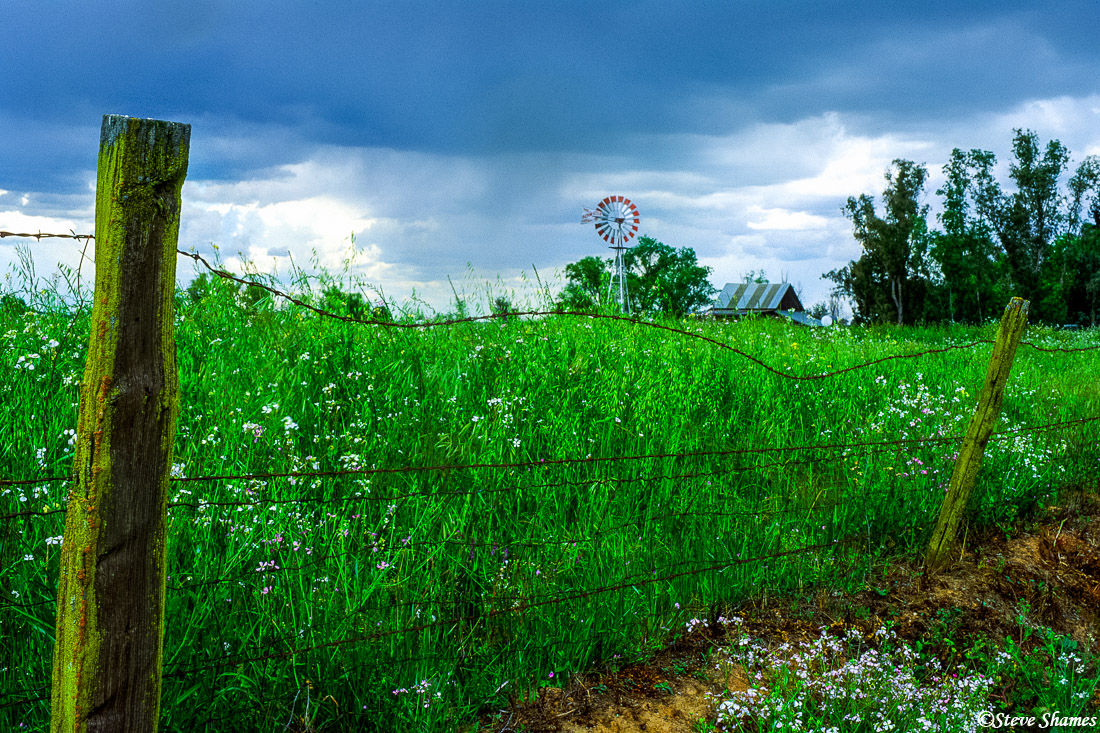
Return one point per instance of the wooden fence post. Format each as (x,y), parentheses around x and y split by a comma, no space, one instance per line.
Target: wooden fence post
(969,461)
(110,603)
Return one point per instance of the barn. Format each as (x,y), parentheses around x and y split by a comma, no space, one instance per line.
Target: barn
(766,299)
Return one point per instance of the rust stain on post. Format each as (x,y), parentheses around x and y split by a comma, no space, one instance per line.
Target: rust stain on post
(110,604)
(941,549)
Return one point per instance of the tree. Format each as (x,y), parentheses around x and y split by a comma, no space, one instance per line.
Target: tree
(666,280)
(586,282)
(660,279)
(501,305)
(335,300)
(11,305)
(1027,223)
(1081,251)
(890,278)
(1085,189)
(971,284)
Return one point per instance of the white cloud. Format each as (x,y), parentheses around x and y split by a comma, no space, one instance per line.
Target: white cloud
(784,219)
(14,220)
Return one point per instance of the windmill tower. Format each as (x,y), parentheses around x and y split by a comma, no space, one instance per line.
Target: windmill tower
(616,220)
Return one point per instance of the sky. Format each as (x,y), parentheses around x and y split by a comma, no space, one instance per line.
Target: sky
(416,145)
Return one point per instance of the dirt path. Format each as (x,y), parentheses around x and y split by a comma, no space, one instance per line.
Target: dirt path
(1052,566)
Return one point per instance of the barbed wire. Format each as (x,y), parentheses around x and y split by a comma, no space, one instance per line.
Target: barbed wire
(634,583)
(504,547)
(319,559)
(41,235)
(994,437)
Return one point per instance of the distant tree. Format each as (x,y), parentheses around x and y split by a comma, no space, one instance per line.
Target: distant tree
(972,284)
(206,285)
(12,305)
(335,300)
(660,279)
(1085,190)
(1081,251)
(754,276)
(500,305)
(890,279)
(818,310)
(864,284)
(1028,222)
(253,296)
(666,280)
(381,312)
(586,282)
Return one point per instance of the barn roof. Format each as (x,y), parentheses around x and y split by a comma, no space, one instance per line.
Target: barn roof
(742,298)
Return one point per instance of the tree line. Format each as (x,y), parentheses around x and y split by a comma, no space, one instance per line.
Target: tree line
(1038,240)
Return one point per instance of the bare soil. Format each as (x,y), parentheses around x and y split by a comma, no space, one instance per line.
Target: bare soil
(1052,563)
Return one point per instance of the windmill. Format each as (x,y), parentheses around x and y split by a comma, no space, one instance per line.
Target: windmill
(616,220)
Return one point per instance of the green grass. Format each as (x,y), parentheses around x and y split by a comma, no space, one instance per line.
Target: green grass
(477,560)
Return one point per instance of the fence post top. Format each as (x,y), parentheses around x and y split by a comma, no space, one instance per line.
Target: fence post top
(177,134)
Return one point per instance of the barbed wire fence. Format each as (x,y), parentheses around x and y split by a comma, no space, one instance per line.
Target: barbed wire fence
(520,603)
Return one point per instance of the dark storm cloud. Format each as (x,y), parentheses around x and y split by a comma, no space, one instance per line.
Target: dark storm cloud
(474,78)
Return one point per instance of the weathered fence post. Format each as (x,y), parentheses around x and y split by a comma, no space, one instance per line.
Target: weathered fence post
(969,461)
(110,602)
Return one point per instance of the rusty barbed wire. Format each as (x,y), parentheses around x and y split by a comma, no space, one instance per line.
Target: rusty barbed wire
(579,314)
(728,563)
(505,547)
(319,559)
(41,235)
(995,436)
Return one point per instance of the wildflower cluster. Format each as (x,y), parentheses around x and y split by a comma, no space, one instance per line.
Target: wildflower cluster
(835,684)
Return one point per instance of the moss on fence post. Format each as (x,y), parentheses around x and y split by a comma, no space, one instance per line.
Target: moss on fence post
(969,461)
(110,603)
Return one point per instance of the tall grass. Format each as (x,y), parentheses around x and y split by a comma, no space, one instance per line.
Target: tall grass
(409,599)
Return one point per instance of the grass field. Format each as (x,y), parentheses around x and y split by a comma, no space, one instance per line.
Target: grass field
(588,487)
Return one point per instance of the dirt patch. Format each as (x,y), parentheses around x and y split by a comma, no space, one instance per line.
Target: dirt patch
(1047,575)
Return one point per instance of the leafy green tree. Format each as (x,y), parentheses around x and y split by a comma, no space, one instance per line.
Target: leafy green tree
(1028,222)
(501,305)
(1085,190)
(660,279)
(1081,254)
(666,280)
(890,279)
(972,285)
(11,305)
(586,283)
(335,300)
(207,285)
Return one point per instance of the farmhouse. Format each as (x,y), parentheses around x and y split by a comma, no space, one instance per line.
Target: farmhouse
(767,299)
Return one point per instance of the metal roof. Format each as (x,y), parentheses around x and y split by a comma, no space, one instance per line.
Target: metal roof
(745,297)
